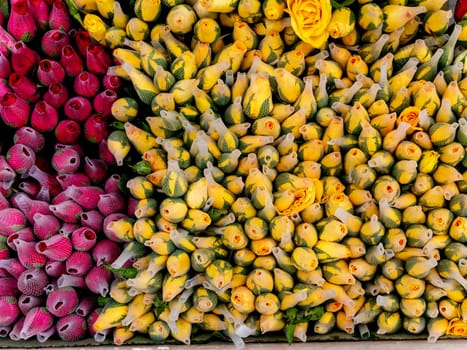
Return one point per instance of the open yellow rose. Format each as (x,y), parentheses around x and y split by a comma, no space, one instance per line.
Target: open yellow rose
(310,19)
(457,327)
(410,115)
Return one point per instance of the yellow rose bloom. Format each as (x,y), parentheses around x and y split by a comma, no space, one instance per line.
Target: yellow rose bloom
(310,19)
(410,115)
(96,27)
(457,327)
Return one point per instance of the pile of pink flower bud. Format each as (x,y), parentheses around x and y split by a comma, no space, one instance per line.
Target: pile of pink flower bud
(58,195)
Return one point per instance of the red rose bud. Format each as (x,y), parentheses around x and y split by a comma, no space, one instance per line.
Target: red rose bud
(132,206)
(86,84)
(46,180)
(14,110)
(23,59)
(77,147)
(13,266)
(37,320)
(11,220)
(104,152)
(49,72)
(31,188)
(29,137)
(4,203)
(24,234)
(72,327)
(67,132)
(5,67)
(9,310)
(103,101)
(8,287)
(67,228)
(83,238)
(105,250)
(93,220)
(45,226)
(77,179)
(112,82)
(95,128)
(56,247)
(57,95)
(59,17)
(97,59)
(96,169)
(21,22)
(4,88)
(44,117)
(67,211)
(86,196)
(28,256)
(33,281)
(6,41)
(21,158)
(24,87)
(7,173)
(29,206)
(98,280)
(71,61)
(82,40)
(460,10)
(77,108)
(42,337)
(16,329)
(79,263)
(110,203)
(55,268)
(111,184)
(66,160)
(40,12)
(86,305)
(66,280)
(62,301)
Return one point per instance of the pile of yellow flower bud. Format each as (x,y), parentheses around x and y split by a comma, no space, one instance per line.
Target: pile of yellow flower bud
(303,168)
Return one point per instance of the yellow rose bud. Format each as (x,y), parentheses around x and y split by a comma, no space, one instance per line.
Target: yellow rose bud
(310,19)
(342,23)
(96,27)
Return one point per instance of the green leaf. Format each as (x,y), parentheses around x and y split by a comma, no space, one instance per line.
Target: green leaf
(289,331)
(142,168)
(124,272)
(216,214)
(101,301)
(344,3)
(74,11)
(314,314)
(159,304)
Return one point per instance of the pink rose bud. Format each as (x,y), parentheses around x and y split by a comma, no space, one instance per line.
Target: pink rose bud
(4,88)
(53,42)
(111,184)
(72,327)
(112,82)
(28,256)
(67,211)
(8,286)
(86,305)
(82,41)
(67,229)
(4,203)
(16,329)
(95,128)
(96,169)
(79,263)
(56,247)
(40,12)
(7,173)
(31,188)
(77,147)
(97,59)
(29,206)
(21,158)
(71,61)
(59,17)
(66,160)
(132,206)
(92,219)
(9,310)
(78,108)
(49,72)
(29,137)
(83,239)
(33,281)
(42,337)
(46,180)
(98,280)
(44,117)
(14,110)
(45,227)
(24,87)
(27,302)
(103,101)
(11,220)
(57,95)
(86,84)
(105,250)
(67,132)
(86,196)
(21,22)
(13,266)
(62,301)
(66,280)
(24,234)
(23,59)
(5,67)
(38,319)
(55,268)
(6,40)
(110,203)
(77,179)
